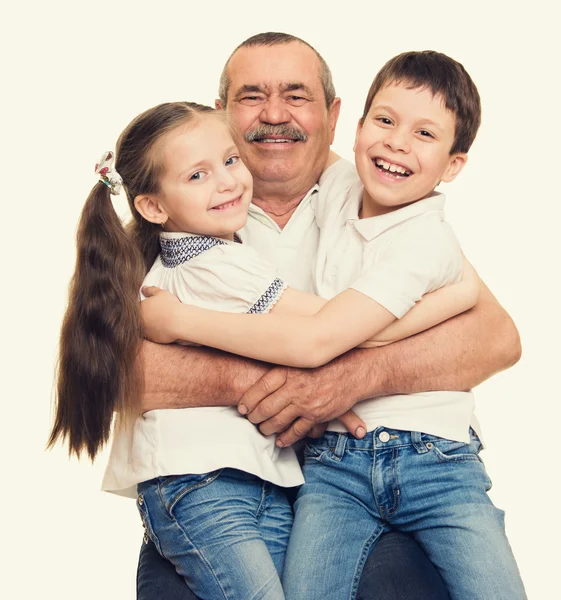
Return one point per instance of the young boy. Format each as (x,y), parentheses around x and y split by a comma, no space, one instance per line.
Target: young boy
(418,468)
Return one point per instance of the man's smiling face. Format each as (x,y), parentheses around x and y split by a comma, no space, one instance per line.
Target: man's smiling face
(276,106)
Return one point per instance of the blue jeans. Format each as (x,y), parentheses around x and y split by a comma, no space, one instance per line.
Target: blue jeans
(225,532)
(397,569)
(432,488)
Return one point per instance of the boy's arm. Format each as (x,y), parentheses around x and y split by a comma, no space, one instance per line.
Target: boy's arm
(456,355)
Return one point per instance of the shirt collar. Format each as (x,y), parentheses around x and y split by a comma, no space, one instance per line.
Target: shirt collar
(372,227)
(259,214)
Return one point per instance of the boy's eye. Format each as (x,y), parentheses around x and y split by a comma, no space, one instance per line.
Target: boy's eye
(425,133)
(231,160)
(196,176)
(384,120)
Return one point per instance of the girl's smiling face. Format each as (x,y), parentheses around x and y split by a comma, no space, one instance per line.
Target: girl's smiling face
(205,187)
(402,150)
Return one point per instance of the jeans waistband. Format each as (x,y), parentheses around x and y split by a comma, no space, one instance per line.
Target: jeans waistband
(381,437)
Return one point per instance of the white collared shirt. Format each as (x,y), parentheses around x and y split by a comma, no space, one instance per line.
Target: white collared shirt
(394,259)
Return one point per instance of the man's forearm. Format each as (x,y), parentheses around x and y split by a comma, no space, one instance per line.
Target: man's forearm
(185,376)
(456,355)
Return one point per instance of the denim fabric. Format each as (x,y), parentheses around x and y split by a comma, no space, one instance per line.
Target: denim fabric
(397,569)
(225,532)
(432,488)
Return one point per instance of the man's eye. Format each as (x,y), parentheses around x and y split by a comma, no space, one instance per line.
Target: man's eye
(232,160)
(296,100)
(196,176)
(251,100)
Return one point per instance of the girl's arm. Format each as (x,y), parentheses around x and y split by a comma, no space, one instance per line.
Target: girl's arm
(323,331)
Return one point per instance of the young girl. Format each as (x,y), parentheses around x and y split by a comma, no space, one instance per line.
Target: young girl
(209,486)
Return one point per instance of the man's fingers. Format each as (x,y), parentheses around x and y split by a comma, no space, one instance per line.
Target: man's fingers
(279,422)
(298,430)
(317,430)
(151,290)
(265,387)
(354,425)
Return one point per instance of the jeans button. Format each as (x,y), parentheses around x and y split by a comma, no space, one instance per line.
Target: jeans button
(384,436)
(430,445)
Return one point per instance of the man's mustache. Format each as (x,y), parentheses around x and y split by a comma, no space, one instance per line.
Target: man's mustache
(285,131)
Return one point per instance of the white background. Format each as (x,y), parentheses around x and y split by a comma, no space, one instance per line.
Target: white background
(74,74)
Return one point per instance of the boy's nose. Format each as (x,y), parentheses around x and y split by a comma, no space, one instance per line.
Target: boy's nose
(397,140)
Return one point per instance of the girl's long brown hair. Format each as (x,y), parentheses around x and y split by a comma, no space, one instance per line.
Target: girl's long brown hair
(99,370)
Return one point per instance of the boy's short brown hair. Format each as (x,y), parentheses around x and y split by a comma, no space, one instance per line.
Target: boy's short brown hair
(442,75)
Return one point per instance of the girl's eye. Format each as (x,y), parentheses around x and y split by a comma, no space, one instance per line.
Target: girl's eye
(196,176)
(232,160)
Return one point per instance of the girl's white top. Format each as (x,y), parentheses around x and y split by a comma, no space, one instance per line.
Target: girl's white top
(394,259)
(220,275)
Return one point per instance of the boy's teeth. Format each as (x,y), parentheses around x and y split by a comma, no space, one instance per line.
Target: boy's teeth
(391,167)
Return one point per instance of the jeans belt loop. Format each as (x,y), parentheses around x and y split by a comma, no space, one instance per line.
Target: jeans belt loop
(341,445)
(417,441)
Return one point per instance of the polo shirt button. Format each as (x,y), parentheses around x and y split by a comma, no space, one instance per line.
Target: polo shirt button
(384,436)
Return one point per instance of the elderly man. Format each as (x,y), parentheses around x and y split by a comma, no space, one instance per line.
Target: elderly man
(280,99)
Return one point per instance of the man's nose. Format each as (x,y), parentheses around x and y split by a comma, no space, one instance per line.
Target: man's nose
(397,140)
(274,111)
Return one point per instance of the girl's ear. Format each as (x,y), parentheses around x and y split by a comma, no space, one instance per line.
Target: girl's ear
(455,165)
(150,209)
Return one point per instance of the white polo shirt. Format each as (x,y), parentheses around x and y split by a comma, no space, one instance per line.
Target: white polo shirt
(394,259)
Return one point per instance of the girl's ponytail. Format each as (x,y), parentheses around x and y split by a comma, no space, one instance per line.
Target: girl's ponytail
(98,370)
(99,366)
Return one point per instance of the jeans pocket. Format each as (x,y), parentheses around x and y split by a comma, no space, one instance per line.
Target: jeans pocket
(315,454)
(175,487)
(452,451)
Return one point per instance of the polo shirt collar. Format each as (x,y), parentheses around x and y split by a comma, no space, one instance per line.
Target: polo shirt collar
(372,227)
(258,213)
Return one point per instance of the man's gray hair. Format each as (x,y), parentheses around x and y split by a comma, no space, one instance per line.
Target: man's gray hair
(272,38)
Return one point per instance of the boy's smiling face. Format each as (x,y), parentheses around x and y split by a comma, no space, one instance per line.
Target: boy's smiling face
(402,150)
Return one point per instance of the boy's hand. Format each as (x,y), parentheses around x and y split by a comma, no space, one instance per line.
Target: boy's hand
(157,313)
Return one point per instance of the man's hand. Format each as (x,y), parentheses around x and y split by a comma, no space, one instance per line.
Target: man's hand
(157,315)
(293,401)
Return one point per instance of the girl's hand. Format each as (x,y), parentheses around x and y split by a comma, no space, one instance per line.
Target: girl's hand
(158,313)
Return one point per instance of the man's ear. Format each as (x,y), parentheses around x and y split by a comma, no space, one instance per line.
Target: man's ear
(333,116)
(358,129)
(218,104)
(150,209)
(456,163)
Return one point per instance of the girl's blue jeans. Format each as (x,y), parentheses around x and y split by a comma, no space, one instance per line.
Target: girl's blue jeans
(429,487)
(226,532)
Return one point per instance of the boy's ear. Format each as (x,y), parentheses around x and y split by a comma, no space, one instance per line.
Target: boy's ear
(150,209)
(456,163)
(358,128)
